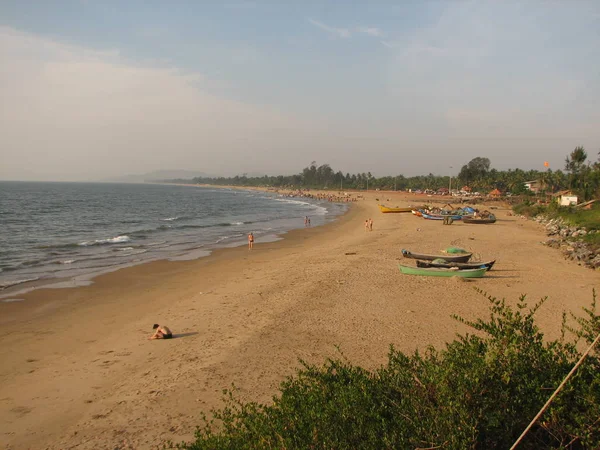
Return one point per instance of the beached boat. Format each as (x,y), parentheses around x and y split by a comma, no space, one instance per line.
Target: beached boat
(440,216)
(487,220)
(469,265)
(443,272)
(417,212)
(387,209)
(462,258)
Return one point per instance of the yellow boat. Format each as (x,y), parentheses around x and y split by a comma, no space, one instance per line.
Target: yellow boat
(387,209)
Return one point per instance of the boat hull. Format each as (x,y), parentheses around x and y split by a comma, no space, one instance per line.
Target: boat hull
(470,265)
(386,209)
(479,221)
(462,258)
(440,216)
(443,272)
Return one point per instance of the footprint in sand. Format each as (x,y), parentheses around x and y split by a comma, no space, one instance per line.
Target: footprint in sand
(21,410)
(109,363)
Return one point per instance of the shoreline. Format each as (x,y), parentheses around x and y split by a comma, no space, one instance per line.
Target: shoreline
(13,293)
(28,293)
(81,372)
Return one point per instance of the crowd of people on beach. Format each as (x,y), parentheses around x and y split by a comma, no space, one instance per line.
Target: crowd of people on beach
(340,197)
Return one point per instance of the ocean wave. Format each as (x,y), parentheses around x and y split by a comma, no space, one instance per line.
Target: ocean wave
(294,202)
(67,261)
(131,253)
(114,240)
(168,219)
(12,300)
(321,211)
(7,284)
(224,238)
(57,246)
(154,244)
(213,225)
(31,262)
(122,249)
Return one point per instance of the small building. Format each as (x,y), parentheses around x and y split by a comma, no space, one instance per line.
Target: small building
(533,185)
(565,198)
(495,193)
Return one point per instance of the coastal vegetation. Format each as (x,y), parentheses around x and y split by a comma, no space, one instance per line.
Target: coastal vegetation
(580,175)
(481,391)
(587,220)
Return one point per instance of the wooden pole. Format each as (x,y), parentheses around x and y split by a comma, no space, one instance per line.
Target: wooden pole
(558,389)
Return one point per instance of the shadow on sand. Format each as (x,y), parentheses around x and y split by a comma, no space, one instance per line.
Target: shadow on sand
(499,276)
(182,335)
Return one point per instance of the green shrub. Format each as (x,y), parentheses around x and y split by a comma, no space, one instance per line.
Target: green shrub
(479,392)
(529,209)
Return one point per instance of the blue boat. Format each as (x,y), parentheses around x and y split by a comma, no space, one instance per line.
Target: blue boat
(440,216)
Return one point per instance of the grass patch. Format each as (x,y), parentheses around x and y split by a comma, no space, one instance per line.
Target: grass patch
(590,219)
(593,240)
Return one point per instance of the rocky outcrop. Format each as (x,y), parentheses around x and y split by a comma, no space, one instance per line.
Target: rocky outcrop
(565,237)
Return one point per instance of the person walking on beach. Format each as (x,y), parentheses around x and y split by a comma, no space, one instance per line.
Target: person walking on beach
(250,241)
(305,221)
(162,332)
(367,225)
(370,224)
(309,221)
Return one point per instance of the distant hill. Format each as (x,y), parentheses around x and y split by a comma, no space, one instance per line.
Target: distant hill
(158,175)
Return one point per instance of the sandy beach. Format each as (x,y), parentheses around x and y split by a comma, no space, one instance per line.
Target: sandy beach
(79,371)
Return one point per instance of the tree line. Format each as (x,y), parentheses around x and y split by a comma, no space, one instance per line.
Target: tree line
(580,175)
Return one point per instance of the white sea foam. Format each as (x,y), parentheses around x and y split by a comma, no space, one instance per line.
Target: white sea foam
(114,240)
(236,223)
(320,211)
(295,202)
(171,218)
(68,261)
(12,300)
(125,248)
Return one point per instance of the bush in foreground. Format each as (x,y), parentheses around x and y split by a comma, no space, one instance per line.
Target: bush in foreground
(480,391)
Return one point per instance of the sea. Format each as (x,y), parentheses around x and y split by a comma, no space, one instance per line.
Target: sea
(51,231)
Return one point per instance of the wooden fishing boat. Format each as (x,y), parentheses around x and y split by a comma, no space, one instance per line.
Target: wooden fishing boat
(387,209)
(469,265)
(479,220)
(462,258)
(417,212)
(440,216)
(443,272)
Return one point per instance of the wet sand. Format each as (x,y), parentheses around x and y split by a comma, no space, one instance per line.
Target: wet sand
(79,371)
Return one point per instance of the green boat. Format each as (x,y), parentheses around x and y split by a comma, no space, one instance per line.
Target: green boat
(443,272)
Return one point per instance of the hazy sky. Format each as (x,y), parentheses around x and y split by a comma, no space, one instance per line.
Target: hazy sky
(93,89)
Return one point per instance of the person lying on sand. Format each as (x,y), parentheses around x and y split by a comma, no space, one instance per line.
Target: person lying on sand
(162,332)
